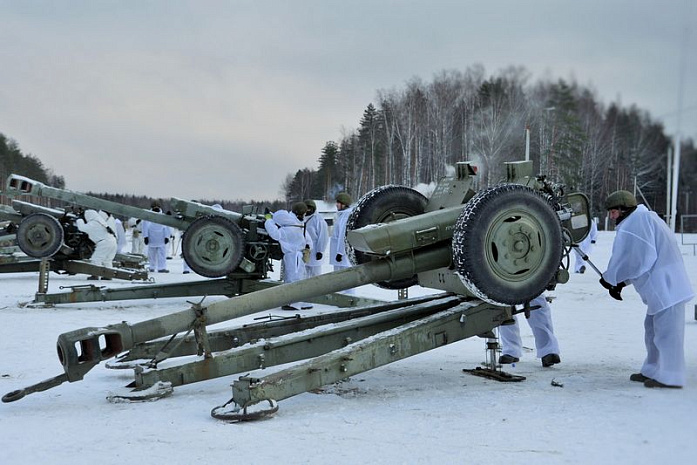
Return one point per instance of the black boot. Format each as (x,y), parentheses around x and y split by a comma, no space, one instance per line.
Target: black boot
(506,359)
(638,377)
(550,359)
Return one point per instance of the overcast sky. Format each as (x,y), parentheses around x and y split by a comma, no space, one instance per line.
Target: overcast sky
(223,99)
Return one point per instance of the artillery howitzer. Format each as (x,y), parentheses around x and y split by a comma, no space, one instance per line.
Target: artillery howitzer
(488,251)
(51,240)
(217,243)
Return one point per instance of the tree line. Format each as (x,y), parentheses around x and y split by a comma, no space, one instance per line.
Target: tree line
(412,134)
(12,160)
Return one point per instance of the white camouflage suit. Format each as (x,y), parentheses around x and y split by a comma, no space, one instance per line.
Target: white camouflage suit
(317,231)
(137,244)
(645,253)
(120,236)
(540,322)
(157,246)
(289,232)
(95,226)
(337,245)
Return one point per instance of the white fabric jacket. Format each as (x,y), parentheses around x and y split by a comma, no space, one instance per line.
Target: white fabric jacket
(646,254)
(156,233)
(120,236)
(317,231)
(105,243)
(337,244)
(94,226)
(289,232)
(110,220)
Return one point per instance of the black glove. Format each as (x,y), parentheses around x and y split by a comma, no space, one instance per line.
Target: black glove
(592,242)
(339,257)
(166,240)
(318,255)
(146,241)
(614,291)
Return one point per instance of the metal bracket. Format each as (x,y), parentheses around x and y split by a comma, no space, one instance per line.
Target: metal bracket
(491,369)
(199,325)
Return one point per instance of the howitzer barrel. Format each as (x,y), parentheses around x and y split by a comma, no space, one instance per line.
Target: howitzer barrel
(194,209)
(9,214)
(407,234)
(26,208)
(21,185)
(82,349)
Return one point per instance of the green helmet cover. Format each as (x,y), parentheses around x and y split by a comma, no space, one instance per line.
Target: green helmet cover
(620,199)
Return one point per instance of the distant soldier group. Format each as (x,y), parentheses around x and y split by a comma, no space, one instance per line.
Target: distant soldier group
(303,236)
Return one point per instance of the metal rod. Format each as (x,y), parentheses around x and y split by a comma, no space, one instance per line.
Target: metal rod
(587,259)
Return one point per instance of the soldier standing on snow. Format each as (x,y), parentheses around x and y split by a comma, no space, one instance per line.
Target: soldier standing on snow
(337,241)
(103,237)
(137,243)
(337,246)
(540,322)
(317,230)
(156,237)
(646,254)
(116,226)
(288,230)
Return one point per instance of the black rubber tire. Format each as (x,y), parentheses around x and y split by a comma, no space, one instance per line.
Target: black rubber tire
(384,205)
(40,235)
(507,244)
(213,246)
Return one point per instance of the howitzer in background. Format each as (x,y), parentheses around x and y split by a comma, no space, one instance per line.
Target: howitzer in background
(216,242)
(489,251)
(51,241)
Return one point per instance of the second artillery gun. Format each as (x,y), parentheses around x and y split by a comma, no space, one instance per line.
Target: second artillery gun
(50,239)
(489,251)
(216,242)
(231,247)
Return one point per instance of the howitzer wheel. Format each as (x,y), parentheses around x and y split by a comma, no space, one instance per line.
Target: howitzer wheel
(507,244)
(213,246)
(384,205)
(39,235)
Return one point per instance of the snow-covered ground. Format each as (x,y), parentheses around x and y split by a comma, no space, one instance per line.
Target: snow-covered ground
(421,410)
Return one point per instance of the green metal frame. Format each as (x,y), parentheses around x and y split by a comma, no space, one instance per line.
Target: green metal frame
(286,341)
(467,319)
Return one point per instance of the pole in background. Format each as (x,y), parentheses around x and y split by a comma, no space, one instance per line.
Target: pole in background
(676,158)
(527,142)
(669,187)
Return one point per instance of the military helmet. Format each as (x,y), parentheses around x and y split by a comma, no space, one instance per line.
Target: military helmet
(299,208)
(343,197)
(620,200)
(311,205)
